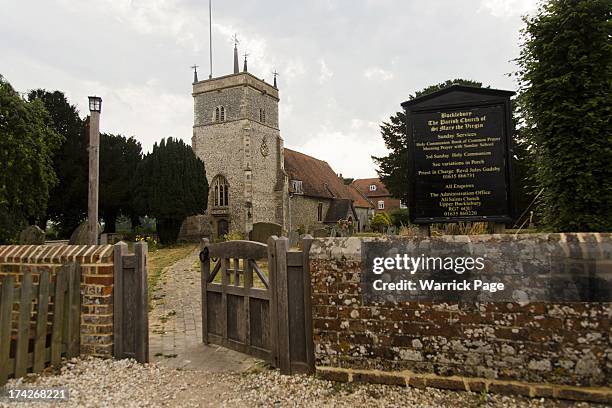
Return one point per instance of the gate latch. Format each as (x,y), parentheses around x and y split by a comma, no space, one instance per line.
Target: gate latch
(204,255)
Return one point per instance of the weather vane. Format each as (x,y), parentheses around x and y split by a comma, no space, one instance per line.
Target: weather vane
(235,38)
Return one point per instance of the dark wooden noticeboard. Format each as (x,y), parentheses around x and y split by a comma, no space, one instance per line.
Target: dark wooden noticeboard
(459,142)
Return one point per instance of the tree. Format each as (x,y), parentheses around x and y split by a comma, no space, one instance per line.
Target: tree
(68,199)
(27,145)
(170,184)
(119,159)
(565,79)
(393,168)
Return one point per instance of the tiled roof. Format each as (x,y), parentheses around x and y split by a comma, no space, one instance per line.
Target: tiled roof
(318,178)
(359,199)
(363,185)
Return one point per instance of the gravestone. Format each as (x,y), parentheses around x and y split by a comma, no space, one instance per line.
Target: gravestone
(264,230)
(80,236)
(459,142)
(194,228)
(320,233)
(32,235)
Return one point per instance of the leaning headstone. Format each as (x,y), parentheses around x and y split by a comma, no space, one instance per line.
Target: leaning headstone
(32,235)
(294,238)
(320,233)
(79,236)
(264,230)
(194,228)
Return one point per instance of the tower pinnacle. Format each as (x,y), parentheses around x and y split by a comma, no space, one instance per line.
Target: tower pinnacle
(195,73)
(245,62)
(275,75)
(236,68)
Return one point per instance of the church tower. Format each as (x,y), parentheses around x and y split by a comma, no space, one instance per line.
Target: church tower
(236,134)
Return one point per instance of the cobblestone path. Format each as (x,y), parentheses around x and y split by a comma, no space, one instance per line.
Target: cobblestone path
(175,324)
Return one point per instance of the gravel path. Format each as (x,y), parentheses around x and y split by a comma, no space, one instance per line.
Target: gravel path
(106,383)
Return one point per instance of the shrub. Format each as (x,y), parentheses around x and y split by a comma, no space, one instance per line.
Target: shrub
(400,217)
(380,221)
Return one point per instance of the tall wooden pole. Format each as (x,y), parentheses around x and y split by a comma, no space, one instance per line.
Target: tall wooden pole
(94,155)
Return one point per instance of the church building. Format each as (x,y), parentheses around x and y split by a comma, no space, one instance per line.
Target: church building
(251,177)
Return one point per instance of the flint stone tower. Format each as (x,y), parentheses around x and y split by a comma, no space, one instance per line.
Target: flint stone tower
(236,134)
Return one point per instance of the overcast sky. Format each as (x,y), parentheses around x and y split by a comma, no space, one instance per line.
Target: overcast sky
(345,65)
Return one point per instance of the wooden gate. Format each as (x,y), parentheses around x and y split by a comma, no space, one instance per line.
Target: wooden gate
(47,324)
(130,307)
(256,300)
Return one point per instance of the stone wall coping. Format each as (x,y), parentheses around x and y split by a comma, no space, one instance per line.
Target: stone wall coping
(602,395)
(56,254)
(349,248)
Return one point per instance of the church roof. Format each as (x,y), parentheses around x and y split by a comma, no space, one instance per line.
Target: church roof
(318,178)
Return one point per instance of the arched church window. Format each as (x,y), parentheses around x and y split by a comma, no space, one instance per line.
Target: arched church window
(220,192)
(220,114)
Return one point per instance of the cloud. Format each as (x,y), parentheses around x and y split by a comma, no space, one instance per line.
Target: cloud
(508,8)
(376,73)
(144,48)
(346,152)
(358,124)
(326,73)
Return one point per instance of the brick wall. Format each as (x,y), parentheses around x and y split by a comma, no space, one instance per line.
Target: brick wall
(96,284)
(557,343)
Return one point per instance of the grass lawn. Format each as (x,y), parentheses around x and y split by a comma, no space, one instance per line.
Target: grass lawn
(163,257)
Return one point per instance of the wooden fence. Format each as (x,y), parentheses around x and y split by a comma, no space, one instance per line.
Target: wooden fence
(131,311)
(46,325)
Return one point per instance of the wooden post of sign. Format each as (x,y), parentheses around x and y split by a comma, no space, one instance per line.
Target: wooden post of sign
(94,156)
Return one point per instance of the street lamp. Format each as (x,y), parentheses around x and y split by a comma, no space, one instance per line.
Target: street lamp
(95,104)
(95,107)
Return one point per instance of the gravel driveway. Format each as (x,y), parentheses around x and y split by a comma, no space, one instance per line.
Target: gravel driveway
(126,383)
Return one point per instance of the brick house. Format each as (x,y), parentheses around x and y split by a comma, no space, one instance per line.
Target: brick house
(377,193)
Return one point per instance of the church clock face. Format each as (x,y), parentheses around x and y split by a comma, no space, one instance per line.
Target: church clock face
(264,149)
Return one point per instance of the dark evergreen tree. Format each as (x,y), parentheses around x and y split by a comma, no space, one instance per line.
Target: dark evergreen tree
(170,184)
(565,80)
(119,158)
(28,142)
(68,199)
